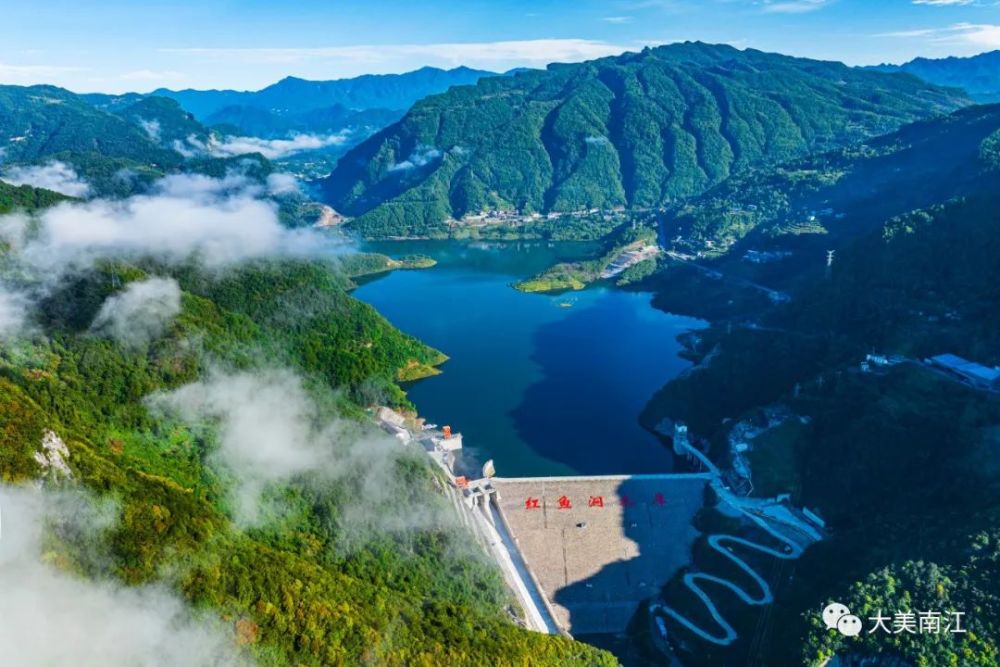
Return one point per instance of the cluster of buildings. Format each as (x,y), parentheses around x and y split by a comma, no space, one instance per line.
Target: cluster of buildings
(406,430)
(516,218)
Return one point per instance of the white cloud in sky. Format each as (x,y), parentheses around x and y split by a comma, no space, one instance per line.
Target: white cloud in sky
(56,176)
(281,183)
(275,149)
(793,6)
(30,74)
(499,55)
(979,35)
(943,3)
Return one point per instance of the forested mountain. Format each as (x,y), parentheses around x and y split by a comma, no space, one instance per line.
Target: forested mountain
(164,120)
(851,191)
(638,130)
(978,75)
(37,122)
(337,114)
(110,152)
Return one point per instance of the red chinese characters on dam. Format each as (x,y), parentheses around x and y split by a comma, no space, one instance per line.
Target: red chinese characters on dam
(565,502)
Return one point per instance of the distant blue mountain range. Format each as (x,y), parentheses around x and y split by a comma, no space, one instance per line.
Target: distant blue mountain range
(979,76)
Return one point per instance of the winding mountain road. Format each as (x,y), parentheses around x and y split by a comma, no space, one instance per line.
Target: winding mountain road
(718,542)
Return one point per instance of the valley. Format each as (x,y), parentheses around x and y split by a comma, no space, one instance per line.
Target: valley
(632,356)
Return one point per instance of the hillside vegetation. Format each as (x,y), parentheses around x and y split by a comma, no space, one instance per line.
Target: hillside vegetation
(851,191)
(901,462)
(308,586)
(637,130)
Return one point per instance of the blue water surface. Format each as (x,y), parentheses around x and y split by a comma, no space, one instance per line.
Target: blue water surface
(542,384)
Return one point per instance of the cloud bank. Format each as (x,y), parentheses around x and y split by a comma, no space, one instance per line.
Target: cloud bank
(272,149)
(218,221)
(56,176)
(50,617)
(271,432)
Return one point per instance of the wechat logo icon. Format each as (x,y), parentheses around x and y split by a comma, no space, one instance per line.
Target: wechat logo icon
(838,617)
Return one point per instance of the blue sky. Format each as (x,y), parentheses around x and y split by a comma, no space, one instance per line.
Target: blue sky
(119,45)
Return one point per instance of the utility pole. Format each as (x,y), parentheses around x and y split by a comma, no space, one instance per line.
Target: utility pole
(829,258)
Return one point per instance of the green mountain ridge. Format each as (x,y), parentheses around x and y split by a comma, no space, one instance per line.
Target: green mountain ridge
(637,130)
(37,122)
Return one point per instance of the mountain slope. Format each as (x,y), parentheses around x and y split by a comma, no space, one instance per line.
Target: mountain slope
(290,591)
(40,121)
(978,75)
(635,130)
(848,192)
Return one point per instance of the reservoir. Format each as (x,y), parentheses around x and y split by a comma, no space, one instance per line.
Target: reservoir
(542,384)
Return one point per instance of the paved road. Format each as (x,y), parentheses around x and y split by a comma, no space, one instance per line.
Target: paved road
(773,294)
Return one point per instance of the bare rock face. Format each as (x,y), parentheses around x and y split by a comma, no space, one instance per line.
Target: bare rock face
(53,456)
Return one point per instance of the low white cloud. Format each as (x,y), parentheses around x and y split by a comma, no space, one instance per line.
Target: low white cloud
(51,617)
(13,312)
(218,221)
(152,128)
(271,432)
(272,149)
(279,184)
(56,176)
(140,313)
(598,140)
(420,157)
